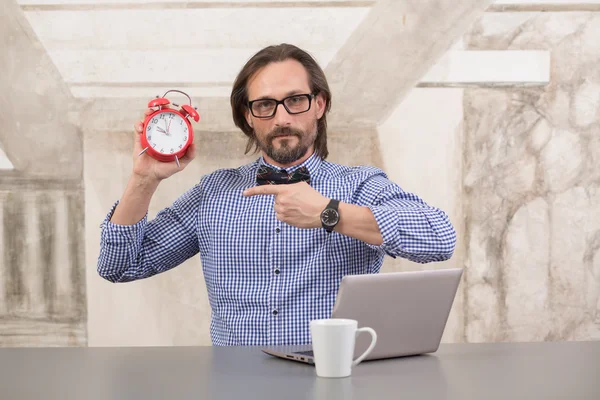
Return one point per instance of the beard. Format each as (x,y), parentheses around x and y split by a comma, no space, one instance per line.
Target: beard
(286,153)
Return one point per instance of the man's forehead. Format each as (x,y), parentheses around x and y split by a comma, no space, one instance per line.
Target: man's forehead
(278,80)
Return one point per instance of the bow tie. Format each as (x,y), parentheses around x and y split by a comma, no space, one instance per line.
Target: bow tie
(269,176)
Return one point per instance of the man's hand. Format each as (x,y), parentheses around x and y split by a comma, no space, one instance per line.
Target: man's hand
(297,204)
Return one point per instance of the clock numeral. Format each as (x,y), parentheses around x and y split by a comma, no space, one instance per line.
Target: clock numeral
(162,150)
(185,130)
(149,128)
(172,150)
(180,122)
(153,144)
(154,120)
(162,116)
(185,138)
(180,146)
(149,137)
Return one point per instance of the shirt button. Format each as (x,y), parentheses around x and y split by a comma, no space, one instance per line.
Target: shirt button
(277,230)
(277,271)
(274,312)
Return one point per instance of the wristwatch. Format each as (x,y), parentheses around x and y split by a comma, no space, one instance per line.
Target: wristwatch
(330,216)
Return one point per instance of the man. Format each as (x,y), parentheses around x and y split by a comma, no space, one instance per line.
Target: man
(274,245)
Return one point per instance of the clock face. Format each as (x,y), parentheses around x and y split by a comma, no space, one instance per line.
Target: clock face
(167,132)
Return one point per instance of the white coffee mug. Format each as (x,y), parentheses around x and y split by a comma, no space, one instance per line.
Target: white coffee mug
(333,342)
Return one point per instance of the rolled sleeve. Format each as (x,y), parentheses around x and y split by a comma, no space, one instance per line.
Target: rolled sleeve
(119,244)
(420,235)
(122,235)
(410,228)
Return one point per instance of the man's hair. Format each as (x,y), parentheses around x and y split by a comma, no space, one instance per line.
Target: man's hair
(317,82)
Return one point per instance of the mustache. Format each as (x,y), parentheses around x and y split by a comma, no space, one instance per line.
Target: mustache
(284,131)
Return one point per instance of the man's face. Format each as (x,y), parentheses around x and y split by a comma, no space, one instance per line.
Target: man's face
(284,138)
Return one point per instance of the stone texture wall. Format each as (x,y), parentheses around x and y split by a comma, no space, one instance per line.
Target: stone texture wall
(532,186)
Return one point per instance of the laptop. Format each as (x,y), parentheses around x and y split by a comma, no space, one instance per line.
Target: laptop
(407,310)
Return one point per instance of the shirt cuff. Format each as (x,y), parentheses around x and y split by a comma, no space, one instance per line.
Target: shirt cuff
(122,235)
(387,222)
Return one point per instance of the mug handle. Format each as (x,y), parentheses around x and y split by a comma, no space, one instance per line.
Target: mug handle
(371,346)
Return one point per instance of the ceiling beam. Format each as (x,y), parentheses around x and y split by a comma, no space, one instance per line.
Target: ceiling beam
(490,68)
(35,133)
(462,68)
(388,54)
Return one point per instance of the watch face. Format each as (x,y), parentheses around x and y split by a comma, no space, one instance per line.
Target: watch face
(167,132)
(329,217)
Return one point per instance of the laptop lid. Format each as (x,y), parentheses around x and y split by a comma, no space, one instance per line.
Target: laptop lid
(408,310)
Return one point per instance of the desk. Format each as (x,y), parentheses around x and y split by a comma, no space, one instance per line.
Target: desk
(559,370)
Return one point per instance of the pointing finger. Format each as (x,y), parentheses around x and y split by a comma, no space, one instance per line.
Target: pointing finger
(264,189)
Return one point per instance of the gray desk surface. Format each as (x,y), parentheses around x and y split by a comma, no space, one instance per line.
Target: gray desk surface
(558,370)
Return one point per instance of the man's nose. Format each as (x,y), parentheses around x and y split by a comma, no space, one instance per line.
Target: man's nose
(282,117)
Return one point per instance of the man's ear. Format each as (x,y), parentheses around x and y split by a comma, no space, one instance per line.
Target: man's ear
(320,104)
(249,119)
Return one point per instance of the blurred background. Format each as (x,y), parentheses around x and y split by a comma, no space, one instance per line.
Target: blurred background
(486,109)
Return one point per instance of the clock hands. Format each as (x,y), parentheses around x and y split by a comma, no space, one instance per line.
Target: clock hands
(161,130)
(166,132)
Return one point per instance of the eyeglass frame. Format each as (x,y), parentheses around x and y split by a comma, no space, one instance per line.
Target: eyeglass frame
(310,96)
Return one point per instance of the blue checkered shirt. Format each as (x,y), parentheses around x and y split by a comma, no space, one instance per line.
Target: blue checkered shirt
(265,279)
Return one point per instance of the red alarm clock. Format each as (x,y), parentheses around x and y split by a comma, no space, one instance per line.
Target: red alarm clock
(167,132)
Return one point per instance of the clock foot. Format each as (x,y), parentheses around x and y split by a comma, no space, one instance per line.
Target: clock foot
(143,151)
(177,161)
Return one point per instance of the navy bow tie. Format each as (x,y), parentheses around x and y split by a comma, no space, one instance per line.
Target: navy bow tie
(269,176)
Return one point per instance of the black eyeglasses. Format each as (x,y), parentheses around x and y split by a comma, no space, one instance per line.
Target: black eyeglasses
(295,104)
